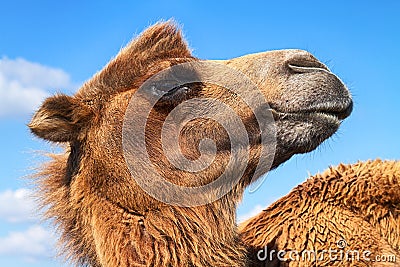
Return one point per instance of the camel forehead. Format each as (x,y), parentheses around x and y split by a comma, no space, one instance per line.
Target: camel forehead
(249,64)
(280,55)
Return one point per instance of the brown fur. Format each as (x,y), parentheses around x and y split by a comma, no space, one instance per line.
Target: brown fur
(357,203)
(105,218)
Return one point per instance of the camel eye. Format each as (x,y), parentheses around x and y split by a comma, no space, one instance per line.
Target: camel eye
(170,91)
(165,86)
(176,91)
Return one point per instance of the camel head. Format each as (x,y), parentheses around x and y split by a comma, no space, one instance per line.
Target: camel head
(298,94)
(157,126)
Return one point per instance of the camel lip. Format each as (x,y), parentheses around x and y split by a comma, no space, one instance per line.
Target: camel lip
(338,109)
(339,112)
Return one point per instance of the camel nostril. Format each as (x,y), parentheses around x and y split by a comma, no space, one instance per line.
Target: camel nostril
(305,64)
(306,69)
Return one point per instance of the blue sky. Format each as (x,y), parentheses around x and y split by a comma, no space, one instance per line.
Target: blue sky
(48,46)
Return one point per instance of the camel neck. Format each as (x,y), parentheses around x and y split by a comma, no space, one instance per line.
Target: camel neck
(169,236)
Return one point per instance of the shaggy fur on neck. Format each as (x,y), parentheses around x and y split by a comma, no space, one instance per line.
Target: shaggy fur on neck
(357,203)
(96,232)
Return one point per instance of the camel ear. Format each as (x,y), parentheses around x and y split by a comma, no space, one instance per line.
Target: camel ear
(59,119)
(162,40)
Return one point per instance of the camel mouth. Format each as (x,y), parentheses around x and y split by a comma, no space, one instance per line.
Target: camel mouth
(302,130)
(280,116)
(328,111)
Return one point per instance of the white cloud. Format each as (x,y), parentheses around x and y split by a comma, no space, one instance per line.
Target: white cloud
(253,212)
(31,244)
(17,206)
(24,85)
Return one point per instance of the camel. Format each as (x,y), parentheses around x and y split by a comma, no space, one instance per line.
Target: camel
(104,215)
(350,208)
